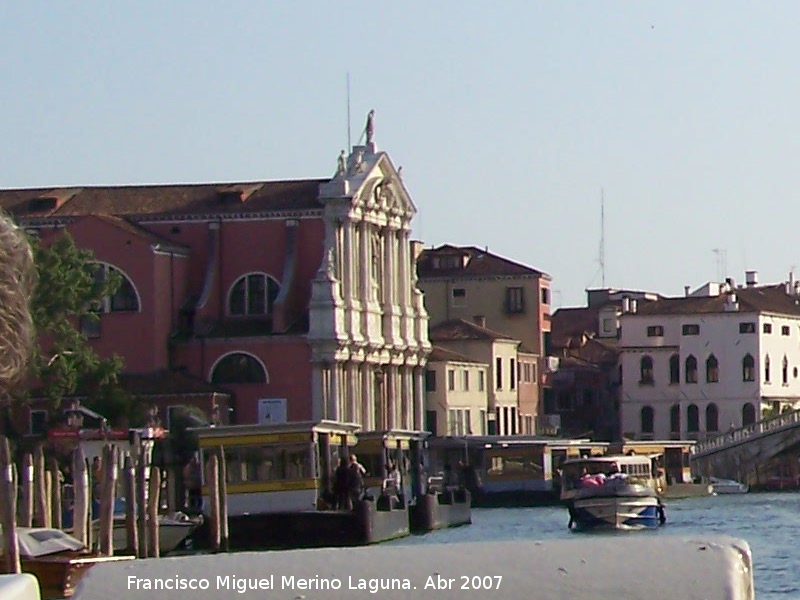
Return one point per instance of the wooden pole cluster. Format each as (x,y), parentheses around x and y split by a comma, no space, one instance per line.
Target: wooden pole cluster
(8,508)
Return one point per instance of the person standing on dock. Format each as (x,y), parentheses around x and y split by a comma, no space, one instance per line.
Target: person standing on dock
(341,486)
(357,472)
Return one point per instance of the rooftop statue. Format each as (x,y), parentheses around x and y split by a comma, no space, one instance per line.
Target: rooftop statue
(370,127)
(341,167)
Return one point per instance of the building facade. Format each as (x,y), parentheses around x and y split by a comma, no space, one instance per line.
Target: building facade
(696,366)
(469,283)
(456,387)
(296,297)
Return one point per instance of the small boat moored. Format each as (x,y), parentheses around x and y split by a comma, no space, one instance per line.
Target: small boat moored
(612,492)
(727,486)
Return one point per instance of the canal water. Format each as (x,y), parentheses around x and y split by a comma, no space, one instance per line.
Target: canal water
(770,523)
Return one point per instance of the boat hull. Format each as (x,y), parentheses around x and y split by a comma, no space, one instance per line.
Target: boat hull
(368,523)
(440,511)
(59,574)
(626,507)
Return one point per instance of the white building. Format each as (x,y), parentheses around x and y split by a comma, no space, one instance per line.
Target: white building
(695,366)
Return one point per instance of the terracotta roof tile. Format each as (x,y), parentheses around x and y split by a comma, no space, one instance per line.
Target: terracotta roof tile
(439,354)
(771,299)
(460,329)
(163,200)
(468,261)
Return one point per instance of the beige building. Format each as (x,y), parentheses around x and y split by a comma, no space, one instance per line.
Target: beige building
(500,353)
(456,394)
(465,282)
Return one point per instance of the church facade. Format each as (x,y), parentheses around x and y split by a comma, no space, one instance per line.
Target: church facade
(298,298)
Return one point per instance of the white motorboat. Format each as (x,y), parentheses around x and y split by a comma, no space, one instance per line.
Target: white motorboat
(727,486)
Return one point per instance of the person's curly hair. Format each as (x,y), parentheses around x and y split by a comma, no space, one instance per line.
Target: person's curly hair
(17,282)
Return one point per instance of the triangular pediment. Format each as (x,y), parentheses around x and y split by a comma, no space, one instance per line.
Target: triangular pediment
(372,184)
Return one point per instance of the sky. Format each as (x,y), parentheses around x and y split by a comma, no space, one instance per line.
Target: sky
(511,119)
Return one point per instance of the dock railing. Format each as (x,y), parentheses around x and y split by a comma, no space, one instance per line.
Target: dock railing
(733,437)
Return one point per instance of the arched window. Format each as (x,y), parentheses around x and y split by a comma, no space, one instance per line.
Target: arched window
(647,419)
(691,369)
(784,370)
(238,367)
(675,419)
(124,299)
(253,294)
(749,368)
(766,369)
(692,419)
(712,369)
(674,369)
(712,417)
(748,414)
(646,367)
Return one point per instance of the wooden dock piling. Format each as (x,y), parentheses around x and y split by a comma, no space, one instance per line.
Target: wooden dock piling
(132,533)
(105,544)
(8,508)
(212,477)
(82,497)
(26,491)
(153,498)
(41,503)
(223,501)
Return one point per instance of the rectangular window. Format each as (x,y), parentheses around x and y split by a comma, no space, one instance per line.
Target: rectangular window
(481,380)
(465,380)
(512,372)
(430,381)
(767,327)
(459,297)
(459,422)
(785,330)
(482,425)
(431,419)
(747,327)
(451,379)
(38,422)
(515,300)
(691,329)
(467,422)
(545,295)
(498,374)
(608,325)
(451,422)
(655,331)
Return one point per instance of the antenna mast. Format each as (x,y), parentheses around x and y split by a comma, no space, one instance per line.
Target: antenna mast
(603,237)
(349,146)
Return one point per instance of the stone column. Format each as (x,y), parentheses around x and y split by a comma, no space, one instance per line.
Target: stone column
(367,397)
(365,268)
(391,397)
(318,396)
(403,271)
(346,257)
(350,375)
(334,408)
(406,404)
(419,398)
(389,269)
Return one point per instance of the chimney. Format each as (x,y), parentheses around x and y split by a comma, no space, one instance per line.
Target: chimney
(626,304)
(790,284)
(686,290)
(729,284)
(731,302)
(479,320)
(634,305)
(751,278)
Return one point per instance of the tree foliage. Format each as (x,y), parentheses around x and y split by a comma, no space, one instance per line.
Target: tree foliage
(70,290)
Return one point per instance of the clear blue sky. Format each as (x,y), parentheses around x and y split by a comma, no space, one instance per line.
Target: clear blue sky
(508,117)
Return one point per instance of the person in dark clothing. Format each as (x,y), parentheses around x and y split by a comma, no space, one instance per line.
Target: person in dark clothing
(341,486)
(357,472)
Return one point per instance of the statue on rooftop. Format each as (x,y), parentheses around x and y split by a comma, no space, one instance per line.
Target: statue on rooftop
(370,127)
(341,167)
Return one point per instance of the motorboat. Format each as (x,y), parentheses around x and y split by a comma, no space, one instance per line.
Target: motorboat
(727,486)
(612,492)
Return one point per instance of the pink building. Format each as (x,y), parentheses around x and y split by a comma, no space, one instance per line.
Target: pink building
(298,298)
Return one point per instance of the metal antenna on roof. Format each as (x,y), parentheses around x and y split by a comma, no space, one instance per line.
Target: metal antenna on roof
(603,237)
(349,146)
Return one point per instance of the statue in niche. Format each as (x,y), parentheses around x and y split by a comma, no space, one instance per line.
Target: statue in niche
(341,166)
(369,129)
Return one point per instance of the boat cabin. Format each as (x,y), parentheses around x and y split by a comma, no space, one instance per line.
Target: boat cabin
(675,455)
(633,468)
(378,450)
(276,468)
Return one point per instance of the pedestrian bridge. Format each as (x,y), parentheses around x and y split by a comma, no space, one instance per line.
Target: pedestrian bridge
(740,452)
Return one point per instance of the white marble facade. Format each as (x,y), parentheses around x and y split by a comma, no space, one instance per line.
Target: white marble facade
(368,327)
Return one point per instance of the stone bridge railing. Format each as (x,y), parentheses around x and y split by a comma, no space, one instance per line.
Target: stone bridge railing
(743,434)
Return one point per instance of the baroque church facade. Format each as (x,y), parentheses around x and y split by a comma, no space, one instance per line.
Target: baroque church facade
(286,300)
